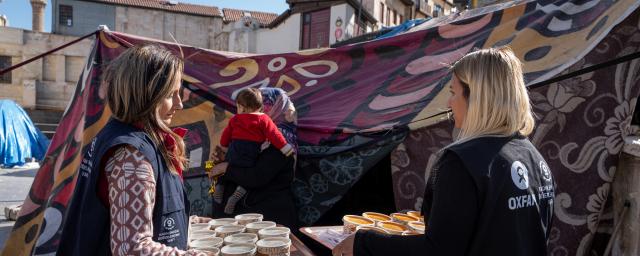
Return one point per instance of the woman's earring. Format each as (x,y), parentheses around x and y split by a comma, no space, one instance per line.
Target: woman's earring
(450,116)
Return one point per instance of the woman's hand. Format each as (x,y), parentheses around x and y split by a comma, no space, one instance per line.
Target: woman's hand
(197,219)
(344,248)
(218,169)
(218,154)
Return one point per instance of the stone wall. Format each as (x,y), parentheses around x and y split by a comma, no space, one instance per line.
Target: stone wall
(189,29)
(47,83)
(283,38)
(199,31)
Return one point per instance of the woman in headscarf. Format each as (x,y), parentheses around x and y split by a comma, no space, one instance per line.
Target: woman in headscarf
(268,182)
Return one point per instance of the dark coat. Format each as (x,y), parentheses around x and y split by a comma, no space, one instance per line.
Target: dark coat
(268,186)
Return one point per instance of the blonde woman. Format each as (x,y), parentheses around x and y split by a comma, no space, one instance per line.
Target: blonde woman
(493,191)
(129,198)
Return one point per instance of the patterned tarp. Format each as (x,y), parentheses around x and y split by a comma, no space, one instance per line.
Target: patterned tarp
(354,103)
(581,123)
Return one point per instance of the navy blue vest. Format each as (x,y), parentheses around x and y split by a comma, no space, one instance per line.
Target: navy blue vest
(86,228)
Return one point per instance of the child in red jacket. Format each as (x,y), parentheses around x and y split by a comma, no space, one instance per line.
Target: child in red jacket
(244,136)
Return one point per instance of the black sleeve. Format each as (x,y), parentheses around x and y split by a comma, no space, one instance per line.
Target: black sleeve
(451,220)
(269,163)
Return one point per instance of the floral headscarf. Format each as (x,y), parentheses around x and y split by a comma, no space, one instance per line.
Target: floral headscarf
(277,104)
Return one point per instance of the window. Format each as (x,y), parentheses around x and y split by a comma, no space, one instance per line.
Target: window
(437,11)
(381,13)
(5,62)
(401,18)
(65,15)
(386,17)
(424,7)
(315,29)
(359,28)
(394,16)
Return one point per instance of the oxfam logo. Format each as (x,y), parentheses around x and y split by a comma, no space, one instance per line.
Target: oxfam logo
(169,223)
(546,174)
(520,175)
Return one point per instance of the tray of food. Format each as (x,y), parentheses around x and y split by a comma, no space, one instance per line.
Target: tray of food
(410,223)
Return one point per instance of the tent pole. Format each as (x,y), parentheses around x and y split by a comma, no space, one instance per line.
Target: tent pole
(626,200)
(9,69)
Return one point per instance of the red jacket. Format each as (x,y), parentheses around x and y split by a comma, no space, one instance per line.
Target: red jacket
(254,127)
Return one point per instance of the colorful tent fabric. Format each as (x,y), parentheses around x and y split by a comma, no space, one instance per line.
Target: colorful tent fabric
(19,138)
(355,105)
(581,124)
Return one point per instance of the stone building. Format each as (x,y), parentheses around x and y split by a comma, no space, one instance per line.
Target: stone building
(49,82)
(314,24)
(37,15)
(433,8)
(190,24)
(242,27)
(389,13)
(46,83)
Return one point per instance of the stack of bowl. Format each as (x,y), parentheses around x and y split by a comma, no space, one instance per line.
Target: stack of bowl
(243,235)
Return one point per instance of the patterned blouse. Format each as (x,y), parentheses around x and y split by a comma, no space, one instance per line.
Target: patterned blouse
(131,230)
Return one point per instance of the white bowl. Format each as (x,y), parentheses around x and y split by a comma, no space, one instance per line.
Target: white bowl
(227,230)
(244,219)
(222,222)
(242,238)
(254,227)
(214,250)
(206,242)
(274,246)
(200,234)
(238,250)
(274,232)
(198,227)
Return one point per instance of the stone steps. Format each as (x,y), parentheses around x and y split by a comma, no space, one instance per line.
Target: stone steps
(46,120)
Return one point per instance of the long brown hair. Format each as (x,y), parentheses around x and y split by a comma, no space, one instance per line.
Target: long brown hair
(137,81)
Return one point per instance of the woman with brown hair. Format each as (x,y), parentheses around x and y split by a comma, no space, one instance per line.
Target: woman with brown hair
(129,197)
(493,191)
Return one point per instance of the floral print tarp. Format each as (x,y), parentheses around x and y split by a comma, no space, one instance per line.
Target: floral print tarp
(580,129)
(353,103)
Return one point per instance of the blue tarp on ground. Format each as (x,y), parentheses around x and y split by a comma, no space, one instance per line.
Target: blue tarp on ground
(19,138)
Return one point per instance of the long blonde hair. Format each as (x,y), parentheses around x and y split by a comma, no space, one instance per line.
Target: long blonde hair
(137,81)
(498,102)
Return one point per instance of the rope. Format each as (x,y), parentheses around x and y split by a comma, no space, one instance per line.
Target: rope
(9,69)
